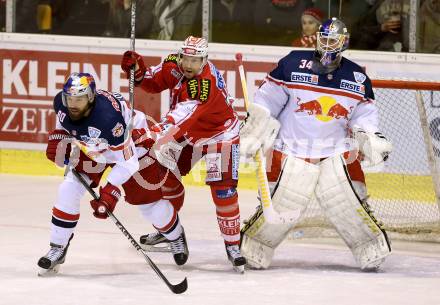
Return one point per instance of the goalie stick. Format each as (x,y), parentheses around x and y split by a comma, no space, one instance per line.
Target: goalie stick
(178,288)
(269,212)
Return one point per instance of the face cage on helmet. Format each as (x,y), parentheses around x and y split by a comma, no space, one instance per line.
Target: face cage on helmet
(332,47)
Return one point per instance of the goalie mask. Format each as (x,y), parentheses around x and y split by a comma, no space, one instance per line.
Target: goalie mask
(332,40)
(79,84)
(194,47)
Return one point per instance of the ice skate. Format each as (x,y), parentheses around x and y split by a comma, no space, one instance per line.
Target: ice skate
(155,242)
(235,257)
(179,248)
(50,263)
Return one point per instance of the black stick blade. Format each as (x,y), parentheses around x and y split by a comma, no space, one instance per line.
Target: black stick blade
(179,288)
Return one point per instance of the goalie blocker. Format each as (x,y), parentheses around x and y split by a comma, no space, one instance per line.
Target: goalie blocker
(340,190)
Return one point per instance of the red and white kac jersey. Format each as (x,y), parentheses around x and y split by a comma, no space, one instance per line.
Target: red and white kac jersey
(200,107)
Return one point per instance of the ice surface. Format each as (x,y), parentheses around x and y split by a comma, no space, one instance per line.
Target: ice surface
(103,268)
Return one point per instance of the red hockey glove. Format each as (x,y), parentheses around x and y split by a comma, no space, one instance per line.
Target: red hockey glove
(132,59)
(58,147)
(108,197)
(142,138)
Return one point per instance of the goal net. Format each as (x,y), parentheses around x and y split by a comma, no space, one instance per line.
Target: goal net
(404,195)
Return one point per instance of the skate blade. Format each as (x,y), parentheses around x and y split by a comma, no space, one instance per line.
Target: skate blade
(239,269)
(373,266)
(156,248)
(49,272)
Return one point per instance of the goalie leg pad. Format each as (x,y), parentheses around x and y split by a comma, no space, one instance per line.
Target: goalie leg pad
(293,191)
(350,214)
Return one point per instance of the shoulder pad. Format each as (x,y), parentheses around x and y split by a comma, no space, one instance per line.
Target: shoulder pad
(171,58)
(114,98)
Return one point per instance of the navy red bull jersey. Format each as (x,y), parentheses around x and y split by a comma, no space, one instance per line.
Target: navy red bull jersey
(101,134)
(316,111)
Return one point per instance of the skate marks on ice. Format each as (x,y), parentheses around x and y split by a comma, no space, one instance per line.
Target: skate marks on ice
(101,268)
(298,257)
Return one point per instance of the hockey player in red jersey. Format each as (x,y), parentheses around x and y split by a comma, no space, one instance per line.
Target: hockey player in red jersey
(201,123)
(95,121)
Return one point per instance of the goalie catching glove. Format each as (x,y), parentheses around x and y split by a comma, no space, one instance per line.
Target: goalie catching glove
(259,131)
(374,147)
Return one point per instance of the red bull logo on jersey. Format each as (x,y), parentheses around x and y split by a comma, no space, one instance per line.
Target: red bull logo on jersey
(304,78)
(325,109)
(352,86)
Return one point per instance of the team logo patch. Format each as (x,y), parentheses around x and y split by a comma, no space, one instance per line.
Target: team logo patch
(118,130)
(176,74)
(205,85)
(220,82)
(94,132)
(189,51)
(359,77)
(304,78)
(213,167)
(193,88)
(352,86)
(228,193)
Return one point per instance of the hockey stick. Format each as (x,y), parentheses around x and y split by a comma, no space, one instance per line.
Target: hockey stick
(132,70)
(179,288)
(263,185)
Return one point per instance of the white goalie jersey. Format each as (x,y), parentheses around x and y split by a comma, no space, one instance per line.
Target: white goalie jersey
(316,115)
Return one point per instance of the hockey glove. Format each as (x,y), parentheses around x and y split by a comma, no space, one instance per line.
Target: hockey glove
(167,154)
(132,59)
(374,147)
(142,138)
(108,197)
(58,147)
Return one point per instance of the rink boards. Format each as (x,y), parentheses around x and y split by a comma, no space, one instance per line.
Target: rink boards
(384,186)
(34,68)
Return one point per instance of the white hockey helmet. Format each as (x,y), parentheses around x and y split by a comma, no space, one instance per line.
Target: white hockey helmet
(194,46)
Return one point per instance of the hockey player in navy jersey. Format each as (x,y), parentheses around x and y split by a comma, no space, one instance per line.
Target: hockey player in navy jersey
(95,122)
(321,106)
